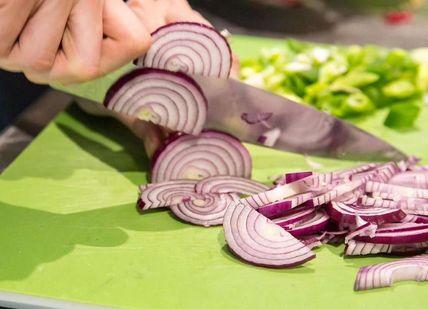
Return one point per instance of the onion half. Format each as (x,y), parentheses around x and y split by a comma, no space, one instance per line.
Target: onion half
(212,153)
(257,240)
(191,48)
(172,100)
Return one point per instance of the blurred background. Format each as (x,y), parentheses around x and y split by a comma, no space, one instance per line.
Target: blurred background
(389,23)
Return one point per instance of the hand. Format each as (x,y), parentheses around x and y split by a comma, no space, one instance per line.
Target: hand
(69,41)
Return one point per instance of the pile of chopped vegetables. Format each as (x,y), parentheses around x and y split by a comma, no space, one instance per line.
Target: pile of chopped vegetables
(204,176)
(345,81)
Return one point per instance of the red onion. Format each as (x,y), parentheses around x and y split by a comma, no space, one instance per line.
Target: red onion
(385,274)
(411,179)
(355,170)
(415,219)
(366,248)
(191,48)
(309,226)
(346,214)
(409,205)
(165,194)
(259,241)
(295,215)
(212,153)
(361,228)
(172,100)
(394,189)
(205,210)
(280,208)
(292,177)
(229,184)
(312,241)
(398,233)
(312,183)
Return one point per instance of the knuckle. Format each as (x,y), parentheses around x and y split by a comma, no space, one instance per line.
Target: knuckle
(39,64)
(138,41)
(83,72)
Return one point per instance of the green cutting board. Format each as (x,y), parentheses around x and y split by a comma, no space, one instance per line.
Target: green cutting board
(69,228)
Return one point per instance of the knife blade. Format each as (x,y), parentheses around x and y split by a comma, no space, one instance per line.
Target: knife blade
(300,128)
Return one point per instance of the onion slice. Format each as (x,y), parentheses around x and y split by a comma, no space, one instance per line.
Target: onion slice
(295,215)
(172,100)
(206,210)
(189,47)
(229,184)
(385,274)
(292,177)
(309,226)
(397,233)
(280,208)
(395,189)
(411,179)
(353,248)
(165,194)
(259,241)
(212,153)
(409,205)
(345,214)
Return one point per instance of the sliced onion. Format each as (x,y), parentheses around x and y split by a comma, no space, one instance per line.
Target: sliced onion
(411,179)
(259,241)
(398,233)
(311,183)
(270,137)
(345,214)
(312,241)
(292,177)
(409,205)
(362,228)
(381,173)
(191,48)
(165,194)
(385,274)
(394,189)
(415,219)
(172,100)
(355,170)
(295,215)
(206,210)
(310,226)
(212,153)
(336,192)
(353,248)
(229,184)
(280,208)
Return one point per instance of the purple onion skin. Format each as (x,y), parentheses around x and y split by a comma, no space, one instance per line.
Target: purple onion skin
(124,79)
(176,135)
(292,177)
(198,25)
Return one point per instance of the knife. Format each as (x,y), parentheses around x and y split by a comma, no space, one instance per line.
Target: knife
(295,127)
